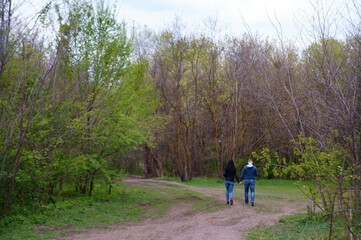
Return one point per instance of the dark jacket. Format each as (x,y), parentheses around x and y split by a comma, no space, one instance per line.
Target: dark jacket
(230,175)
(249,173)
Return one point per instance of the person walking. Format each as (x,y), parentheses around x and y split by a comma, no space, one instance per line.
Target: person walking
(249,174)
(230,173)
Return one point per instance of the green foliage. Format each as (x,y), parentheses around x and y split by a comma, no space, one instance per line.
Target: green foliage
(313,160)
(326,165)
(326,50)
(271,164)
(128,112)
(97,43)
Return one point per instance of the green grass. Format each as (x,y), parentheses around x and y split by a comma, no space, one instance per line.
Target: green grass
(279,190)
(198,182)
(301,226)
(77,212)
(265,188)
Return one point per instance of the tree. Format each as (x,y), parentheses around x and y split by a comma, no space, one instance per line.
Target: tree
(68,113)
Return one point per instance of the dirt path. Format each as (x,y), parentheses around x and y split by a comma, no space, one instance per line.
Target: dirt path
(182,222)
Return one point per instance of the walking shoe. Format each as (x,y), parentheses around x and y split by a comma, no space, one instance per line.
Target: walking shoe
(227,202)
(231,201)
(252,204)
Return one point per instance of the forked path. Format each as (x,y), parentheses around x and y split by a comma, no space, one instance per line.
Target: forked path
(184,222)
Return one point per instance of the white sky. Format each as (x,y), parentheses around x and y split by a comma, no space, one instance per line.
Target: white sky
(158,14)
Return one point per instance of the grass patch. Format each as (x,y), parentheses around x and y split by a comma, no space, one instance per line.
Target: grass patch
(75,212)
(198,182)
(279,189)
(207,182)
(272,189)
(301,226)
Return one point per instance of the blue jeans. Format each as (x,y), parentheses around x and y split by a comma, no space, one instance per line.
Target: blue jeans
(249,184)
(229,190)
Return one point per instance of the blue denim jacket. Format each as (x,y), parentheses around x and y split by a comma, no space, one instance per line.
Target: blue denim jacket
(249,173)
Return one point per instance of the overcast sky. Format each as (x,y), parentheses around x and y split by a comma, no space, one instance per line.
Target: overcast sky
(157,14)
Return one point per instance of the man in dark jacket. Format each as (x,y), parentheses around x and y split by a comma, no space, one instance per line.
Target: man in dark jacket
(229,174)
(249,174)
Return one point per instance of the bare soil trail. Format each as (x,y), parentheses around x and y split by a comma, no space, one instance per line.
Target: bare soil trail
(184,222)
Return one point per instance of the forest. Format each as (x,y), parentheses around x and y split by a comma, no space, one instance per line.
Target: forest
(86,97)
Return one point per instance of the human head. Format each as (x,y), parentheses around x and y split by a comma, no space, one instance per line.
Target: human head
(250,161)
(230,164)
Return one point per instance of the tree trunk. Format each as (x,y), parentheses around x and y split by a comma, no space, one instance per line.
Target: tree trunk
(110,189)
(10,191)
(22,134)
(91,187)
(6,15)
